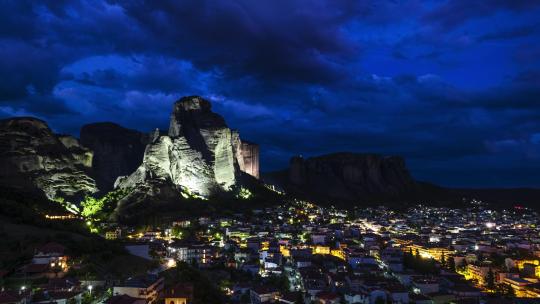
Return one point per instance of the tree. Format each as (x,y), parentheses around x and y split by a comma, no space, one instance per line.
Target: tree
(245,298)
(100,207)
(451,264)
(281,282)
(480,258)
(490,280)
(299,299)
(380,300)
(506,290)
(443,260)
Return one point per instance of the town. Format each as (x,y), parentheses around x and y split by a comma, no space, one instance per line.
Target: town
(303,253)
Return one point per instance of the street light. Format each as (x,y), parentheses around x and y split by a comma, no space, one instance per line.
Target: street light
(90,288)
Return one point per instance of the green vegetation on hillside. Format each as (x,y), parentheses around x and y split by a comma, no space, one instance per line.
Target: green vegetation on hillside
(101,208)
(24,227)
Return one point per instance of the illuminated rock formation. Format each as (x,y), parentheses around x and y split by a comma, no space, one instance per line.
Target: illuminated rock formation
(199,154)
(33,157)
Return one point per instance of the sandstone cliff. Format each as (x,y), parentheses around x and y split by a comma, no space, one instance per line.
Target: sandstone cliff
(248,159)
(347,177)
(33,157)
(117,151)
(200,154)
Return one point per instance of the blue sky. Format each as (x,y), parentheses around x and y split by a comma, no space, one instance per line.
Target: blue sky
(452,86)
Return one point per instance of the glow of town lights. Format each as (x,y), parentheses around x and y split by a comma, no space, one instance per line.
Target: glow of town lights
(490,225)
(171,263)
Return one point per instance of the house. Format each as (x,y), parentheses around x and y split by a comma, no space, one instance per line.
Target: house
(147,287)
(302,262)
(264,294)
(479,272)
(290,297)
(240,290)
(199,253)
(425,285)
(57,297)
(420,299)
(318,238)
(48,261)
(465,291)
(251,268)
(398,293)
(38,271)
(376,295)
(50,253)
(124,299)
(356,298)
(179,294)
(113,234)
(327,298)
(63,284)
(9,297)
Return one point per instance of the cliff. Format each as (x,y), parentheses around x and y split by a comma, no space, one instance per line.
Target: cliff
(117,151)
(347,177)
(249,158)
(200,155)
(32,157)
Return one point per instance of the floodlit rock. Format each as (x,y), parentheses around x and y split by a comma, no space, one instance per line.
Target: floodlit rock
(200,154)
(33,157)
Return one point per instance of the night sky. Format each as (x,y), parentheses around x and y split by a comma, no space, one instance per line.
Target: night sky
(454,87)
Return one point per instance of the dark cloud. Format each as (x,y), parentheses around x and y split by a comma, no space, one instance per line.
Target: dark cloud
(456,12)
(513,33)
(280,41)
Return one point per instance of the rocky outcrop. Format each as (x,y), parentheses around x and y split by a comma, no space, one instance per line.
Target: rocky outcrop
(349,177)
(249,158)
(33,157)
(199,155)
(117,151)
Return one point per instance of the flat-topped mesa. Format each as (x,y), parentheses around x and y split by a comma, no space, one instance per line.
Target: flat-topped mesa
(200,153)
(351,176)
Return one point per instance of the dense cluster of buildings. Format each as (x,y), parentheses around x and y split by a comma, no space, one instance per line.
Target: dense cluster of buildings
(426,254)
(325,255)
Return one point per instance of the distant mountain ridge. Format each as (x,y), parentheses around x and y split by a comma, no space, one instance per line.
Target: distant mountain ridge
(352,179)
(347,177)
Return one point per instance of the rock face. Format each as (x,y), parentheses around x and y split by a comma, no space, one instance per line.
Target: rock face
(33,157)
(200,154)
(117,151)
(249,158)
(349,176)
